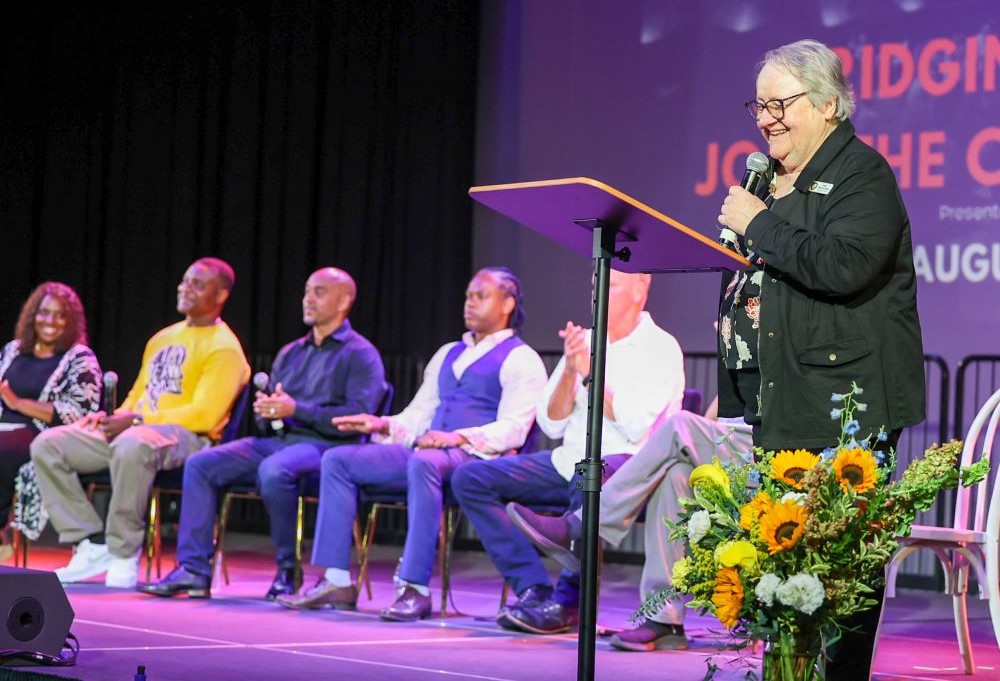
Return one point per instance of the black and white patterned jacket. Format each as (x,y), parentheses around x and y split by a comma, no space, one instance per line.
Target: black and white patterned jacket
(74,388)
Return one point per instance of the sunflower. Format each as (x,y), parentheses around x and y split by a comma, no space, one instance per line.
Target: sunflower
(791,467)
(782,525)
(752,510)
(855,469)
(728,597)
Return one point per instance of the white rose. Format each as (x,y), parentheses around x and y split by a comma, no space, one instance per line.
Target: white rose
(803,591)
(768,584)
(798,497)
(698,526)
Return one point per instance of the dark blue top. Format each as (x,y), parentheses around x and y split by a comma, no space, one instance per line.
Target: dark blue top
(473,399)
(343,375)
(27,376)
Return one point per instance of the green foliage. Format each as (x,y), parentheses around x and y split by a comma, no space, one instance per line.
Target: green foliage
(822,528)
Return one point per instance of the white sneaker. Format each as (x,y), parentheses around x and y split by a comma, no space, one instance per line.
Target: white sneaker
(123,572)
(89,560)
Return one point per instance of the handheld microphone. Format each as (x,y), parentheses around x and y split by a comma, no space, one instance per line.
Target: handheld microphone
(757,167)
(109,393)
(261,381)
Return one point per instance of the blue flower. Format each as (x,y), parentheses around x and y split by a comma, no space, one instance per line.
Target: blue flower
(879,456)
(856,389)
(835,413)
(754,477)
(861,406)
(882,435)
(828,453)
(852,427)
(837,397)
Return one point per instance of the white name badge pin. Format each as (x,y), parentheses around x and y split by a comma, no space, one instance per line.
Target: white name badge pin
(820,187)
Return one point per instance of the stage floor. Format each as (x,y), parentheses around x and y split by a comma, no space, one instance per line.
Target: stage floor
(236,636)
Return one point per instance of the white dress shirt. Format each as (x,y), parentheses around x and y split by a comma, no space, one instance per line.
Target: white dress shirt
(522,377)
(644,371)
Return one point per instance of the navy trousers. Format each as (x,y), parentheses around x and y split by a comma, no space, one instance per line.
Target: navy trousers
(424,472)
(275,464)
(483,488)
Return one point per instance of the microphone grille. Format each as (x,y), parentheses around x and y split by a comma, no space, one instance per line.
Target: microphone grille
(260,380)
(110,379)
(758,163)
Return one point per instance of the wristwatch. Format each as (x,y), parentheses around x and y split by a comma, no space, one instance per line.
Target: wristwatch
(137,420)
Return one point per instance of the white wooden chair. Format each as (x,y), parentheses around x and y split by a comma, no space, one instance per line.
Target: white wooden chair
(971,543)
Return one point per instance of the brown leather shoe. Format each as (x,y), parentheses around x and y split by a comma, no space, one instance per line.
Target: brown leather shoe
(409,607)
(323,595)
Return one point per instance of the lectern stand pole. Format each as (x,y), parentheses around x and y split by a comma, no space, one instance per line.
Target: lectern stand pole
(591,469)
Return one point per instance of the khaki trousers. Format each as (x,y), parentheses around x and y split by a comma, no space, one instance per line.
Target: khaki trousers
(655,478)
(134,457)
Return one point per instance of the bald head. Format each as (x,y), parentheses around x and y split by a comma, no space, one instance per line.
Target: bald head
(328,298)
(626,301)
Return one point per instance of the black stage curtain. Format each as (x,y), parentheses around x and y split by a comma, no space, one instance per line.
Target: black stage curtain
(279,135)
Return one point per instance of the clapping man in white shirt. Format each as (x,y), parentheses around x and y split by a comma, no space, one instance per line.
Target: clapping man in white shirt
(644,378)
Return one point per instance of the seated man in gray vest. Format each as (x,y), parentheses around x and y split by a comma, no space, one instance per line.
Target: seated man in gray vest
(476,402)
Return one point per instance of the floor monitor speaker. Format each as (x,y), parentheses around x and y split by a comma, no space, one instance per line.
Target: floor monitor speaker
(35,614)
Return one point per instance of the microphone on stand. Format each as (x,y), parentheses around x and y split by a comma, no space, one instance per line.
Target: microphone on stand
(757,167)
(261,381)
(109,392)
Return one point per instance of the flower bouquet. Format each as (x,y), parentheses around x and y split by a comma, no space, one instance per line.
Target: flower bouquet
(783,549)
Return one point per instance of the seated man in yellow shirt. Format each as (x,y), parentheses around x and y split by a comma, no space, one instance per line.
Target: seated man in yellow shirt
(191,374)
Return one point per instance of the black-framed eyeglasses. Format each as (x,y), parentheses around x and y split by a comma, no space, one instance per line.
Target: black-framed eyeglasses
(775,107)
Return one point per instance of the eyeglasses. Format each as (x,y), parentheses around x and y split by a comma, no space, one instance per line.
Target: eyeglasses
(775,107)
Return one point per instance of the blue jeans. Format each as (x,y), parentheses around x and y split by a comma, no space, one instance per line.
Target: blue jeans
(425,472)
(483,488)
(275,464)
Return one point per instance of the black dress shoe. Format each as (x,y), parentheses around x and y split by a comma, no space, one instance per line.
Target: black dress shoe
(549,617)
(533,595)
(409,607)
(286,582)
(178,581)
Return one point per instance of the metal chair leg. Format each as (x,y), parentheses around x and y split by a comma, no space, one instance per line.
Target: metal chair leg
(449,527)
(152,536)
(220,542)
(357,547)
(363,551)
(300,523)
(20,545)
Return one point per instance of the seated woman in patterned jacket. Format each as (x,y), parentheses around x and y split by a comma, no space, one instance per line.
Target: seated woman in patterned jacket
(48,377)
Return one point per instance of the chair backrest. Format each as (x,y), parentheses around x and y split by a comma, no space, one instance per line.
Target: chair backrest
(692,400)
(978,444)
(533,440)
(236,416)
(385,406)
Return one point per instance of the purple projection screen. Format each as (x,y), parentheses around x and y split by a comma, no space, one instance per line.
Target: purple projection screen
(647,97)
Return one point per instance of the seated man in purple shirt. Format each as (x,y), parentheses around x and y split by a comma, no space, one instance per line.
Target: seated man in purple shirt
(332,371)
(477,401)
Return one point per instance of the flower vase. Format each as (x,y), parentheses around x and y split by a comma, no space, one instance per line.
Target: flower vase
(794,657)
